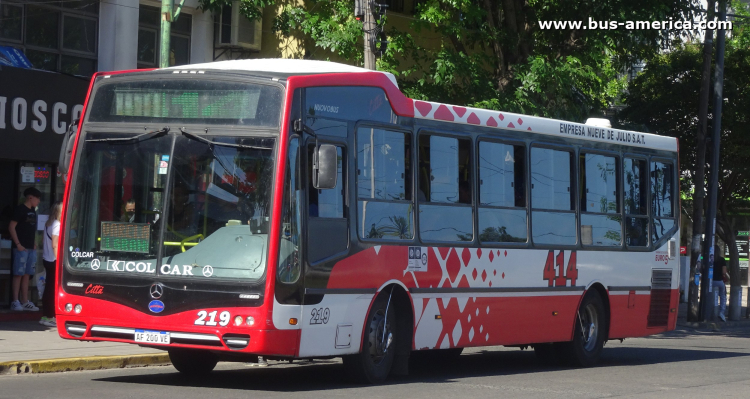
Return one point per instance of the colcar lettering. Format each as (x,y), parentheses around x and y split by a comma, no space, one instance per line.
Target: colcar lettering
(177,270)
(79,254)
(130,266)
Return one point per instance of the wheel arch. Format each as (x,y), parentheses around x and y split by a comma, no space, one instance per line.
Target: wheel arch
(599,288)
(402,301)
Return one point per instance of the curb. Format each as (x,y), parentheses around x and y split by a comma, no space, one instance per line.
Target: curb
(713,325)
(81,363)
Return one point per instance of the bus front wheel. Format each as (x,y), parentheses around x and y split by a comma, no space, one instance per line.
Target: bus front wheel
(373,364)
(193,363)
(590,332)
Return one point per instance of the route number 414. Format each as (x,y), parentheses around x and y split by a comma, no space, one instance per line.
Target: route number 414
(563,274)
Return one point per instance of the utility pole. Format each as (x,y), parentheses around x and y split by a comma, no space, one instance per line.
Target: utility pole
(369,28)
(707,296)
(166,29)
(167,17)
(700,167)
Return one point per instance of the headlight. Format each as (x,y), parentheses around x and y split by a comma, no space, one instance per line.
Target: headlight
(68,307)
(250,320)
(78,308)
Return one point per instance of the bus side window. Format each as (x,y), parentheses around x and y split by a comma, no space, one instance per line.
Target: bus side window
(384,190)
(601,222)
(634,175)
(553,217)
(445,211)
(502,193)
(662,199)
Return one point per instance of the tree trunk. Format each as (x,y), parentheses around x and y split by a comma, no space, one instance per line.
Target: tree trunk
(700,169)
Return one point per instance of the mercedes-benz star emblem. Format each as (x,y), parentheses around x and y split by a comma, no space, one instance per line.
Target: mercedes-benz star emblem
(208,271)
(156,291)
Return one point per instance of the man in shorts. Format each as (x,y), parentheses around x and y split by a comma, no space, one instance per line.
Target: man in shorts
(23,232)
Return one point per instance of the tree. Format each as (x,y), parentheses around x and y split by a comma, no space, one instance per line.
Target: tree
(492,53)
(664,99)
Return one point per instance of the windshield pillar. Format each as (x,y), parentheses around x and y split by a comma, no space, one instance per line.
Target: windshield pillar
(165,204)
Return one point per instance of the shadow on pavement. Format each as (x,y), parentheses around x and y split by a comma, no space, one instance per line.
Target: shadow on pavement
(326,375)
(23,326)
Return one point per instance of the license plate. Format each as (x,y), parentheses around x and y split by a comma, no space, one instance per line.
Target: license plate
(152,337)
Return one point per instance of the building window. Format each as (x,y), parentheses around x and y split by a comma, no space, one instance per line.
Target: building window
(149,28)
(55,36)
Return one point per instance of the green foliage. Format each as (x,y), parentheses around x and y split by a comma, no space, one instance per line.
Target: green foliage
(490,53)
(664,99)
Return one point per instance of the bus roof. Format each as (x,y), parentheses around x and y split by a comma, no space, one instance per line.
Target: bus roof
(283,66)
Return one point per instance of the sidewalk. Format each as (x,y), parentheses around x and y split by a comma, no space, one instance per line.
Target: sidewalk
(28,347)
(716,324)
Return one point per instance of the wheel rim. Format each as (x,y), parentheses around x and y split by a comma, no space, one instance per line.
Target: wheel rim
(380,337)
(589,320)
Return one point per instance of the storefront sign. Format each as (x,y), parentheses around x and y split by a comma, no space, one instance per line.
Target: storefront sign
(36,108)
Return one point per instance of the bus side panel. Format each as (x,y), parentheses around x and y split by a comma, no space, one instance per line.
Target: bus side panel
(628,314)
(335,325)
(467,296)
(485,320)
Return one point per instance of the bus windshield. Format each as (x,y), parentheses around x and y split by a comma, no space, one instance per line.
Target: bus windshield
(201,201)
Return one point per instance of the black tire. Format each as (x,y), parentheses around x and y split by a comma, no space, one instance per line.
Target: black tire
(374,363)
(591,326)
(193,363)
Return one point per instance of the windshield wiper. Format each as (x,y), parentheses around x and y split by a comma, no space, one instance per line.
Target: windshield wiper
(220,144)
(137,138)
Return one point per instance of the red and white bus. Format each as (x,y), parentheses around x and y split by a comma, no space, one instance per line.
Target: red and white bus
(303,209)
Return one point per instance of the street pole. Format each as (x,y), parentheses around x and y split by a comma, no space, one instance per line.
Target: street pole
(369,27)
(700,167)
(166,29)
(707,296)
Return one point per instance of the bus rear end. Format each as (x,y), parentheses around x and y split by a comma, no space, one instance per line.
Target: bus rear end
(169,220)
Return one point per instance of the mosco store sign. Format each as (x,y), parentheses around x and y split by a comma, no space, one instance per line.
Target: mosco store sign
(36,108)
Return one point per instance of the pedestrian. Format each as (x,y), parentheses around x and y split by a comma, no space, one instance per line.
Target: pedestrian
(49,258)
(719,288)
(22,228)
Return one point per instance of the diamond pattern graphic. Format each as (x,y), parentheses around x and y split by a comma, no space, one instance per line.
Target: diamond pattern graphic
(460,111)
(473,119)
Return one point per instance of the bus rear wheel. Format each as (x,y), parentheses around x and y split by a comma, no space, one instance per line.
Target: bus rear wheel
(373,364)
(193,363)
(589,335)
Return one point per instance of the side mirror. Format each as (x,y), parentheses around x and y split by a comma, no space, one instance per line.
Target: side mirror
(67,149)
(325,167)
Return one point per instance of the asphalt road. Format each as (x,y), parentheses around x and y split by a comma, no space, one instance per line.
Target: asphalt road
(681,364)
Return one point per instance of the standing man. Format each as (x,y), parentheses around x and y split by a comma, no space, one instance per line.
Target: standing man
(719,288)
(23,233)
